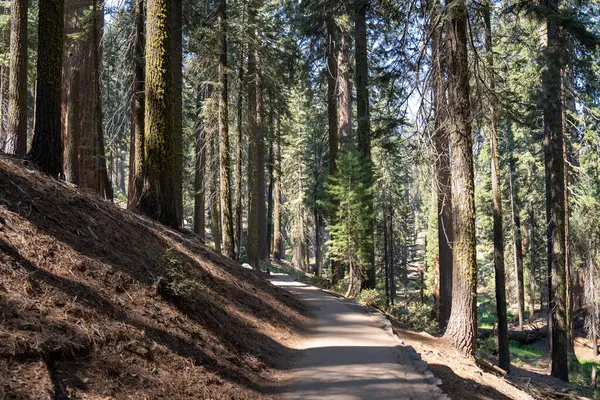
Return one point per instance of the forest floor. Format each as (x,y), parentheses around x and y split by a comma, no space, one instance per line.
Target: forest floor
(97,302)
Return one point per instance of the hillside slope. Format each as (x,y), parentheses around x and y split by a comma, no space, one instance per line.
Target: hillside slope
(97,302)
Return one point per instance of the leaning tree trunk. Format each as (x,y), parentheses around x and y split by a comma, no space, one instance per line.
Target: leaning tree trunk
(158,199)
(442,156)
(364,132)
(46,147)
(225,171)
(136,161)
(17,86)
(462,326)
(555,212)
(500,280)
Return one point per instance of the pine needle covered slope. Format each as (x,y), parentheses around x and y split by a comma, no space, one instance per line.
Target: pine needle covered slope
(97,302)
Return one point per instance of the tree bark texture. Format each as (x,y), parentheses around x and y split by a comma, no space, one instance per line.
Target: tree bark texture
(73,131)
(177,93)
(46,147)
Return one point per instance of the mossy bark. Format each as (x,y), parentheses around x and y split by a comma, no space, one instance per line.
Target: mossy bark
(158,195)
(73,131)
(462,326)
(46,147)
(136,160)
(177,38)
(17,91)
(238,164)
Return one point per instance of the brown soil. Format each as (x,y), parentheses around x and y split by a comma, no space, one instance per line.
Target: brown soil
(97,302)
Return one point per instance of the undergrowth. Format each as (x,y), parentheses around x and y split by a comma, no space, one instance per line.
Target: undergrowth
(179,282)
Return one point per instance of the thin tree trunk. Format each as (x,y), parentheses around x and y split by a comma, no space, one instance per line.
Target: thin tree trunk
(214,196)
(158,199)
(263,248)
(136,163)
(200,165)
(17,91)
(252,247)
(277,242)
(532,291)
(516,229)
(46,147)
(392,259)
(238,165)
(462,326)
(386,266)
(554,169)
(225,171)
(503,352)
(444,186)
(74,126)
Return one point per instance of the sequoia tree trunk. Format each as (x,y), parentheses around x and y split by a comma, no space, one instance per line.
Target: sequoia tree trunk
(46,147)
(462,326)
(17,91)
(158,199)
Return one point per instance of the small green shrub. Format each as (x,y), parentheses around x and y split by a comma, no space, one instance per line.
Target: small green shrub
(178,281)
(371,298)
(419,317)
(319,281)
(341,286)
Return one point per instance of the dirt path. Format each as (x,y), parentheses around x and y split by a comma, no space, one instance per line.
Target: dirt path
(348,354)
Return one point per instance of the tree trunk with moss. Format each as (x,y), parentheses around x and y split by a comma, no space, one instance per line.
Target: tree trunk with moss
(74,126)
(238,162)
(46,147)
(555,206)
(224,168)
(17,91)
(177,48)
(158,199)
(136,158)
(462,326)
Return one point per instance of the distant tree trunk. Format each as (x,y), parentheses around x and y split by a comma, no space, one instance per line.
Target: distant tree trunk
(17,92)
(442,156)
(200,165)
(532,291)
(270,190)
(332,117)
(364,130)
(252,246)
(46,147)
(386,266)
(318,262)
(568,106)
(74,126)
(177,93)
(224,168)
(517,239)
(277,242)
(392,259)
(503,352)
(214,196)
(263,248)
(238,165)
(158,196)
(136,160)
(462,326)
(554,169)
(103,183)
